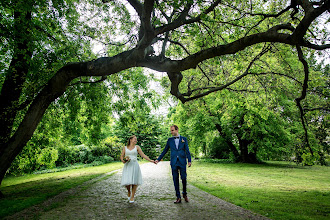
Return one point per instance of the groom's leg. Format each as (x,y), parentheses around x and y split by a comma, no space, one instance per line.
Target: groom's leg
(175,174)
(183,174)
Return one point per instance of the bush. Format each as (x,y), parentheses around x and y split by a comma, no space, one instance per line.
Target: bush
(112,147)
(32,158)
(67,155)
(47,158)
(100,150)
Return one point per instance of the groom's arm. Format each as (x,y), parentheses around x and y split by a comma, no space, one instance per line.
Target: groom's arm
(187,152)
(167,147)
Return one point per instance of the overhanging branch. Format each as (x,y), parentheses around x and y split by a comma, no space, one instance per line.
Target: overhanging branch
(175,84)
(303,95)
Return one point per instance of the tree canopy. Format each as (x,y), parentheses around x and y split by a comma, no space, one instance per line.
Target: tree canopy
(46,48)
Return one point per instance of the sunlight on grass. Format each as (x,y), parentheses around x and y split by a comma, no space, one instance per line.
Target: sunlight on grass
(24,191)
(65,174)
(276,190)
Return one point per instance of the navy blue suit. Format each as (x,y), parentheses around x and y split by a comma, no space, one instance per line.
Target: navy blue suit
(178,162)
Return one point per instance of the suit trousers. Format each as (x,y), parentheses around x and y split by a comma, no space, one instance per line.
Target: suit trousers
(176,169)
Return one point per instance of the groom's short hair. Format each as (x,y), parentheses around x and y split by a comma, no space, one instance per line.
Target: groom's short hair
(175,127)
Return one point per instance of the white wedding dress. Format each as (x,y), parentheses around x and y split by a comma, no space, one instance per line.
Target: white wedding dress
(131,172)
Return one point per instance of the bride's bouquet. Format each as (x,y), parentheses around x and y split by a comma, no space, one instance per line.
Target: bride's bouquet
(127,159)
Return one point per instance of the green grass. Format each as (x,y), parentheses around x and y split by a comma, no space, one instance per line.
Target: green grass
(28,190)
(277,190)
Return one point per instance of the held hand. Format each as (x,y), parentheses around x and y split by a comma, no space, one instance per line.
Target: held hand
(189,164)
(152,161)
(156,161)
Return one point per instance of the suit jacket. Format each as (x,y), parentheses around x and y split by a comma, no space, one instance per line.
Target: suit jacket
(179,155)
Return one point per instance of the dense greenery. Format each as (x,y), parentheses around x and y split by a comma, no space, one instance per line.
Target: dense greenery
(257,88)
(255,123)
(81,128)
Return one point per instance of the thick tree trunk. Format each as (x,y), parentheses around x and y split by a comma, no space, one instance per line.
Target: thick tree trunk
(229,142)
(24,132)
(12,87)
(246,156)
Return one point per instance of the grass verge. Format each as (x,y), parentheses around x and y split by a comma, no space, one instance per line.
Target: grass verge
(277,190)
(28,190)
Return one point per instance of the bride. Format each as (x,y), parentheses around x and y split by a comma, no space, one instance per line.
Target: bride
(132,176)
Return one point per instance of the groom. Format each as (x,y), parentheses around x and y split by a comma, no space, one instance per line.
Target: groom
(179,154)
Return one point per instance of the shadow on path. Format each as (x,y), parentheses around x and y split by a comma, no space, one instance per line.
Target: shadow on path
(105,199)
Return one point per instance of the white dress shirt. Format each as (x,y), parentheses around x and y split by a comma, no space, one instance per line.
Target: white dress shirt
(177,141)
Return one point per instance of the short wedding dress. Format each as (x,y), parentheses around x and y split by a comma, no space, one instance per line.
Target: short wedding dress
(131,172)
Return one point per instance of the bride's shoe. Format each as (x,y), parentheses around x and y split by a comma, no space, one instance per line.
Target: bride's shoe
(128,198)
(131,201)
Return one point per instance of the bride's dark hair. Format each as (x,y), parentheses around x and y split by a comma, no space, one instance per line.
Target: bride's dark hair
(129,140)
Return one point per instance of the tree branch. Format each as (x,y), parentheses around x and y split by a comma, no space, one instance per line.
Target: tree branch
(303,95)
(311,14)
(280,74)
(181,19)
(315,109)
(138,7)
(214,89)
(193,60)
(316,47)
(89,82)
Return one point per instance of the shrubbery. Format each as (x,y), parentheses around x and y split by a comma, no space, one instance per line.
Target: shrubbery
(32,158)
(84,154)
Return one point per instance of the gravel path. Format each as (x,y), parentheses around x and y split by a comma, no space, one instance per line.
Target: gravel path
(105,199)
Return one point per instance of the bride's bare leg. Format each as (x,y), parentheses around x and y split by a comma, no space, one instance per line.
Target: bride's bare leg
(128,190)
(134,187)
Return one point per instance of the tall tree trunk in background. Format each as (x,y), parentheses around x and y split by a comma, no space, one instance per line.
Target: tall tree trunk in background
(12,87)
(229,142)
(246,156)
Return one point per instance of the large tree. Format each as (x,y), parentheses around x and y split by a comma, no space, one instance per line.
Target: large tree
(30,27)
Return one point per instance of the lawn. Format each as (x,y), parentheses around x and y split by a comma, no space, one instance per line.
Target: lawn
(24,191)
(278,190)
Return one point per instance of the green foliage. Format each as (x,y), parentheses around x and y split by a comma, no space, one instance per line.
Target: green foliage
(83,154)
(33,158)
(240,118)
(47,158)
(259,110)
(146,127)
(217,147)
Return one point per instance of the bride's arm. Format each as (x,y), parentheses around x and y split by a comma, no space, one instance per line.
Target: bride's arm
(142,154)
(122,155)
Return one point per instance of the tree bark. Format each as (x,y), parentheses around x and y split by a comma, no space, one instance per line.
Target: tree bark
(15,78)
(229,142)
(12,87)
(246,156)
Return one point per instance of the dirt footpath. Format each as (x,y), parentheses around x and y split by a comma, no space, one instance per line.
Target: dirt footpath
(105,199)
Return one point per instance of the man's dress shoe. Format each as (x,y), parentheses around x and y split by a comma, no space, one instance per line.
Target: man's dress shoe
(178,200)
